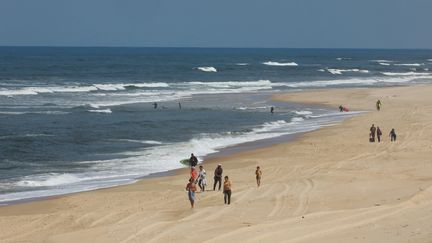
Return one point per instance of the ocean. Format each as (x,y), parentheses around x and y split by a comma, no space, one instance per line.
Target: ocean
(75,119)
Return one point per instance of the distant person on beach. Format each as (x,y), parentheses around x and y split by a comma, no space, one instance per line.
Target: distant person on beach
(341,108)
(227,190)
(191,188)
(379,133)
(258,174)
(155,105)
(193,161)
(202,178)
(372,133)
(218,177)
(272,109)
(194,173)
(378,105)
(392,135)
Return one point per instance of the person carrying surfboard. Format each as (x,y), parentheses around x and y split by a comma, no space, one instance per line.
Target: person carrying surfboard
(193,161)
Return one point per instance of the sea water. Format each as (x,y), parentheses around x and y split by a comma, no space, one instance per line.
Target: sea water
(76,119)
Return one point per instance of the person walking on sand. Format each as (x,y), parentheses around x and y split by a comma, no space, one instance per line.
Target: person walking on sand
(379,134)
(372,132)
(378,105)
(218,177)
(227,190)
(194,174)
(392,135)
(258,174)
(202,178)
(191,188)
(193,161)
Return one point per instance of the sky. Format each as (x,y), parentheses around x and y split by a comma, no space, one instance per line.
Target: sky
(218,23)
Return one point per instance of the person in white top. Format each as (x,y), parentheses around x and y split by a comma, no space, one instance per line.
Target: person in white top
(202,178)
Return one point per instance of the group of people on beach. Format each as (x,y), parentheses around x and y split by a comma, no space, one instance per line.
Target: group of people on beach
(199,177)
(376,131)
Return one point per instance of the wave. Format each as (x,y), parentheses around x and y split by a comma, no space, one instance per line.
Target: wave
(281,64)
(303,112)
(48,180)
(384,63)
(409,64)
(242,64)
(343,58)
(406,74)
(140,141)
(341,71)
(207,69)
(106,111)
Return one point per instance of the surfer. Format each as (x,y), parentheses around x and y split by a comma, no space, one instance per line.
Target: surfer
(179,105)
(193,161)
(272,109)
(155,105)
(218,177)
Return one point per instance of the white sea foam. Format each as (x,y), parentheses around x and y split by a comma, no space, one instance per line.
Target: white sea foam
(409,64)
(48,180)
(303,112)
(381,60)
(207,69)
(242,64)
(140,141)
(384,63)
(341,71)
(343,58)
(280,64)
(406,74)
(107,111)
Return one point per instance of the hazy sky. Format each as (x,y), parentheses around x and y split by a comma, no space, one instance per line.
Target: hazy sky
(218,23)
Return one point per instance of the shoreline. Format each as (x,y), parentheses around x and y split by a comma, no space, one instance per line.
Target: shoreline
(220,154)
(328,184)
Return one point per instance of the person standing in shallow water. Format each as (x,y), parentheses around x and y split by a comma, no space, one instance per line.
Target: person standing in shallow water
(379,133)
(191,188)
(392,135)
(227,190)
(218,177)
(272,109)
(258,174)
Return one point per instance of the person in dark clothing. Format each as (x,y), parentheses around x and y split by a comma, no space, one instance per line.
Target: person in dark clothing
(154,105)
(272,109)
(379,133)
(193,161)
(378,105)
(392,135)
(341,108)
(218,177)
(179,105)
(372,132)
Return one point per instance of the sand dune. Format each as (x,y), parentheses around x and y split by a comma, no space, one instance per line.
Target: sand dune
(330,185)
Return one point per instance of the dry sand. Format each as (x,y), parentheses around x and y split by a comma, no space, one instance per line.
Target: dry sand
(330,185)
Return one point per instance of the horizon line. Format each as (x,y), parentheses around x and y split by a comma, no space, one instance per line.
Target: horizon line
(221,47)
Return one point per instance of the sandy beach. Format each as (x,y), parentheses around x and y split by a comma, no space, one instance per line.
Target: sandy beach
(330,185)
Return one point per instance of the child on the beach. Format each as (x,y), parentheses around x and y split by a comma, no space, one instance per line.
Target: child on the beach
(392,135)
(258,174)
(227,190)
(191,188)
